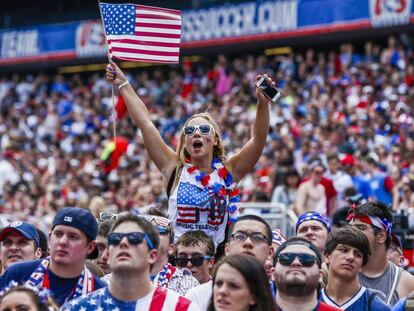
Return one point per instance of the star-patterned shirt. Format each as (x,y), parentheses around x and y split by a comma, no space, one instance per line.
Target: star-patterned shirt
(102,300)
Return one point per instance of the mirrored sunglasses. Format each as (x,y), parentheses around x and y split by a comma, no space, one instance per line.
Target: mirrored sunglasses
(203,128)
(306,260)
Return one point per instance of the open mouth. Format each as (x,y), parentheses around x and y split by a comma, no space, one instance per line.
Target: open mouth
(197,144)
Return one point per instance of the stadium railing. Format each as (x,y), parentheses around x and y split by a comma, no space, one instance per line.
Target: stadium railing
(276,214)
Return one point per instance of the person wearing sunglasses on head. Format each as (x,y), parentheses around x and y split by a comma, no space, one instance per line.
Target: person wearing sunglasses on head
(250,235)
(298,276)
(199,180)
(347,250)
(133,242)
(195,252)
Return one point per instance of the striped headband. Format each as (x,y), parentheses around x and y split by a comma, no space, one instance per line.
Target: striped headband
(380,223)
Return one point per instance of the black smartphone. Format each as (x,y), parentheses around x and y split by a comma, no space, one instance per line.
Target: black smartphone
(270,91)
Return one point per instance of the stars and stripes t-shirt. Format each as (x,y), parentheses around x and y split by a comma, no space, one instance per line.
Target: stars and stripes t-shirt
(159,299)
(142,33)
(193,207)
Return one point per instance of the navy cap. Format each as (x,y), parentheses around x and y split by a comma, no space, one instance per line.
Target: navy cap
(24,228)
(81,219)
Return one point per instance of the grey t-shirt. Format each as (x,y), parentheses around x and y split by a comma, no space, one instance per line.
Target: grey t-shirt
(384,284)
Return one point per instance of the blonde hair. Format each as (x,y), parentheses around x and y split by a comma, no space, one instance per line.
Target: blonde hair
(218,150)
(97,205)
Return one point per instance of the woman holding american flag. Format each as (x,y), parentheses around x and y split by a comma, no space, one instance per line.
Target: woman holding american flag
(199,179)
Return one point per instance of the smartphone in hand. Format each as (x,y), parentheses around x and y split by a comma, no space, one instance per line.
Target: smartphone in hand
(271,92)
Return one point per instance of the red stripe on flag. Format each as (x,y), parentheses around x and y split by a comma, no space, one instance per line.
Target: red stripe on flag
(145,52)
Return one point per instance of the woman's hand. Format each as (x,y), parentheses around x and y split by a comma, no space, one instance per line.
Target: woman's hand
(114,75)
(259,93)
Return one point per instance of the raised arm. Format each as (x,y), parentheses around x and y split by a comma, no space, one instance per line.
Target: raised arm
(243,162)
(163,156)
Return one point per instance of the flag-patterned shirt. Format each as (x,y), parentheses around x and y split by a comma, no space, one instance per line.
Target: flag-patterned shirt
(193,207)
(159,299)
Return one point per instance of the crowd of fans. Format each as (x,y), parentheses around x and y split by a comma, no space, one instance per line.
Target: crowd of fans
(341,134)
(357,105)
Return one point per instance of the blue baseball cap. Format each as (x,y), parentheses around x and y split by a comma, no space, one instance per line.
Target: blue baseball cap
(24,228)
(81,219)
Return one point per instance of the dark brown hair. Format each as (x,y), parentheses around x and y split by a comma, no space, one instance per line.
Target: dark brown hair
(255,277)
(349,236)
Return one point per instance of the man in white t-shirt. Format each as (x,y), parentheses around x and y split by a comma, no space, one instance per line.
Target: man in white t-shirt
(340,179)
(132,243)
(250,235)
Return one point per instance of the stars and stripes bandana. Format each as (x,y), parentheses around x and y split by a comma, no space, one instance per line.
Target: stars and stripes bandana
(378,222)
(278,237)
(39,279)
(314,216)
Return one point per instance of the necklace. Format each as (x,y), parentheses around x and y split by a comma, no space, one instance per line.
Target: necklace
(228,188)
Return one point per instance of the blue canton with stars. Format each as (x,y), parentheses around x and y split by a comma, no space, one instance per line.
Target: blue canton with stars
(99,300)
(192,195)
(119,19)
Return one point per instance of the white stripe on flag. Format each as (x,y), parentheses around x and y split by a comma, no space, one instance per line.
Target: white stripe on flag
(155,12)
(158,21)
(145,56)
(158,30)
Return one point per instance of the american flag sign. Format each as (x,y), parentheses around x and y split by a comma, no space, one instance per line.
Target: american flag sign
(142,33)
(197,205)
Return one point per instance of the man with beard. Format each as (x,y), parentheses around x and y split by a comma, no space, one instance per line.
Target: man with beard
(347,250)
(298,274)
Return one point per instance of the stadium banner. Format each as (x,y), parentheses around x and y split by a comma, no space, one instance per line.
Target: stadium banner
(220,25)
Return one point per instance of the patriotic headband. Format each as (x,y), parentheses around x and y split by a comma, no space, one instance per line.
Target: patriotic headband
(380,223)
(314,216)
(278,237)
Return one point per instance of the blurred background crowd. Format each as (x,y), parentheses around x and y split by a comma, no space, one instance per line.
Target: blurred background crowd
(352,109)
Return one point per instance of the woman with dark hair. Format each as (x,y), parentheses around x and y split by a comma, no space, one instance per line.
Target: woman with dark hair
(240,283)
(199,179)
(286,193)
(20,297)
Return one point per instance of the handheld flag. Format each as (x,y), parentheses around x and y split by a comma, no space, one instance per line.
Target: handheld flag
(142,33)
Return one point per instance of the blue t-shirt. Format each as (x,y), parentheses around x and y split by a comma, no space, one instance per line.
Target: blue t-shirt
(60,288)
(360,301)
(400,305)
(99,300)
